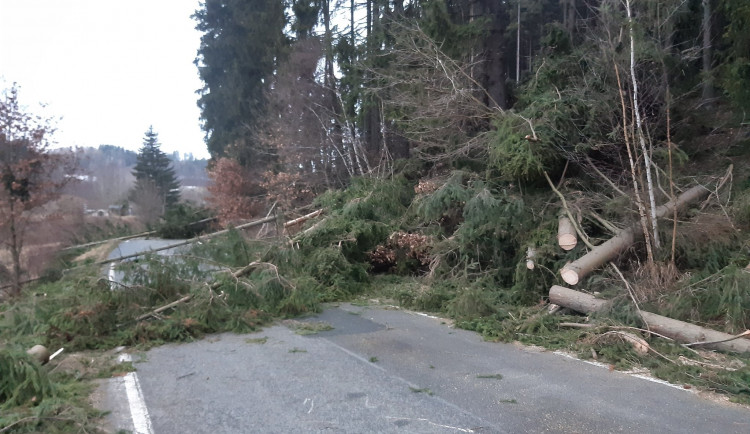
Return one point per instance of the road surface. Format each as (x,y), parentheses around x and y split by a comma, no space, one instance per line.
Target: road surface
(393,371)
(131,247)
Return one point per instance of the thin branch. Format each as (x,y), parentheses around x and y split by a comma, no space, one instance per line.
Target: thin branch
(604,177)
(639,128)
(638,200)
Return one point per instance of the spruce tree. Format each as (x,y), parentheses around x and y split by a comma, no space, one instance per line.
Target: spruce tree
(154,174)
(242,44)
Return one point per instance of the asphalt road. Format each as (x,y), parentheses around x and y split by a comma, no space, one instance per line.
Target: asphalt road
(386,370)
(131,247)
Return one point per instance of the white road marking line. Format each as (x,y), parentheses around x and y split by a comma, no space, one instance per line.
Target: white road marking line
(420,419)
(138,409)
(111,274)
(312,404)
(631,373)
(427,315)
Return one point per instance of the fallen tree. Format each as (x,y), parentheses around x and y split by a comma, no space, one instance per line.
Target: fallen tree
(211,235)
(680,331)
(609,250)
(300,220)
(237,274)
(576,300)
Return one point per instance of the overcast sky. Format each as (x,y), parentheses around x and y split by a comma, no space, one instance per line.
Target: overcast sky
(109,68)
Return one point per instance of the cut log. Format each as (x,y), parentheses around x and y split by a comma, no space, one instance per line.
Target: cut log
(680,331)
(689,196)
(607,251)
(692,334)
(530,255)
(566,234)
(303,219)
(601,254)
(576,300)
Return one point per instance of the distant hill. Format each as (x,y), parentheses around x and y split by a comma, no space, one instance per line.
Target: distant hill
(108,176)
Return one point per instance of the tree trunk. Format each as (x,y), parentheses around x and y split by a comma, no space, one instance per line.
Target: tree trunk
(352,33)
(576,300)
(708,85)
(16,247)
(518,43)
(678,330)
(495,52)
(371,109)
(566,234)
(603,253)
(569,20)
(334,104)
(691,333)
(641,136)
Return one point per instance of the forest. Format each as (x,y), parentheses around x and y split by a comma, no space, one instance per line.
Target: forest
(495,127)
(572,174)
(482,157)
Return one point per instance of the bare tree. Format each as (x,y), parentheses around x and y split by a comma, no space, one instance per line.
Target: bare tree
(149,200)
(440,107)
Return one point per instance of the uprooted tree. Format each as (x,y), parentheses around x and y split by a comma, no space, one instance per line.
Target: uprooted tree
(30,176)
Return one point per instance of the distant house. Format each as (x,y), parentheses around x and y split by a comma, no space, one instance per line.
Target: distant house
(119,210)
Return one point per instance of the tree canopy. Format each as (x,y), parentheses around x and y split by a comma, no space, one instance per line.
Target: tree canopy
(324,91)
(240,49)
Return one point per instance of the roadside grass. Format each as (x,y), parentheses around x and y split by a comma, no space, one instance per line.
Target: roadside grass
(82,312)
(492,376)
(52,398)
(306,328)
(424,390)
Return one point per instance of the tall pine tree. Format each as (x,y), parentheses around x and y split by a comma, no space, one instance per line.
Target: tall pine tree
(242,43)
(155,179)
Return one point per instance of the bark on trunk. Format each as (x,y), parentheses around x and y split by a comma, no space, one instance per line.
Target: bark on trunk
(302,219)
(576,300)
(645,151)
(691,333)
(708,85)
(603,253)
(16,247)
(678,330)
(566,234)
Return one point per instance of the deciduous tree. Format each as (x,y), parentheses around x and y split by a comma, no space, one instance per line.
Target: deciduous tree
(30,175)
(232,192)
